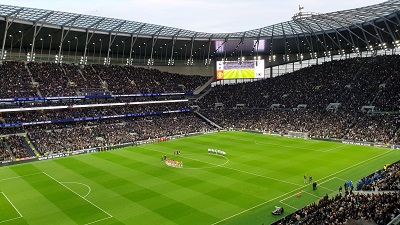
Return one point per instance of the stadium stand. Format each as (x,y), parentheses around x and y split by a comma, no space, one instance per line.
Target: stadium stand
(349,82)
(71,113)
(17,146)
(380,208)
(371,204)
(319,124)
(351,99)
(382,180)
(113,132)
(51,80)
(4,152)
(15,81)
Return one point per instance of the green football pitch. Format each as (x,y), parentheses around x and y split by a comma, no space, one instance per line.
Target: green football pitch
(133,186)
(238,74)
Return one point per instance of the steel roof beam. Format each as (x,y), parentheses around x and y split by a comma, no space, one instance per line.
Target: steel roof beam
(372,24)
(304,34)
(337,32)
(311,30)
(174,39)
(333,41)
(191,50)
(350,32)
(271,50)
(362,30)
(376,30)
(154,41)
(7,26)
(297,40)
(133,43)
(36,32)
(285,42)
(258,42)
(209,50)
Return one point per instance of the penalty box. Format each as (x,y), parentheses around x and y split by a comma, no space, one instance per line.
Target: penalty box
(8,210)
(40,198)
(307,195)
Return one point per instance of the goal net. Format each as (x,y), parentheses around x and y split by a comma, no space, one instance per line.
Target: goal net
(294,134)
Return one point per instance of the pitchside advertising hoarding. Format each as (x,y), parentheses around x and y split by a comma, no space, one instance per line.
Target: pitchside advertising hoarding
(247,69)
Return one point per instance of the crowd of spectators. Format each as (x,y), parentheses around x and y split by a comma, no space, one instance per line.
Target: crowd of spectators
(382,180)
(75,76)
(388,97)
(4,152)
(15,81)
(378,208)
(131,80)
(62,138)
(321,124)
(115,79)
(87,101)
(18,79)
(353,83)
(51,79)
(12,146)
(70,113)
(17,146)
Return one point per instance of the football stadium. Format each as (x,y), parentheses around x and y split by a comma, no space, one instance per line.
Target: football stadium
(111,121)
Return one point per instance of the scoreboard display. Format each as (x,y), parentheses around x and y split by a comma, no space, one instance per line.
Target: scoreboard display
(248,69)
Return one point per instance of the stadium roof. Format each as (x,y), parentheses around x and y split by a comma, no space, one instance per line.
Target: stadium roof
(316,23)
(360,27)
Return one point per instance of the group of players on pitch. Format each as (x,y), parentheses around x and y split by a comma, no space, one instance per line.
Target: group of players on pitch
(179,164)
(173,163)
(216,152)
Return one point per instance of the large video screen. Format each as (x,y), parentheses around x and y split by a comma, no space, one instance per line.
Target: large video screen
(247,69)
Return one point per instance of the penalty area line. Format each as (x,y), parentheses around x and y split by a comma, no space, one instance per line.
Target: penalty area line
(20,215)
(11,178)
(109,215)
(80,184)
(273,199)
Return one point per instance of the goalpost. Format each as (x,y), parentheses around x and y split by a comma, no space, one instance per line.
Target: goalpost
(295,134)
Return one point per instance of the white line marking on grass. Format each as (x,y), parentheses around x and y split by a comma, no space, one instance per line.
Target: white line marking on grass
(357,164)
(205,167)
(312,194)
(80,184)
(20,215)
(10,178)
(99,220)
(10,219)
(256,206)
(340,179)
(319,185)
(286,146)
(326,188)
(217,165)
(289,205)
(303,148)
(263,203)
(109,215)
(331,149)
(291,195)
(241,171)
(12,204)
